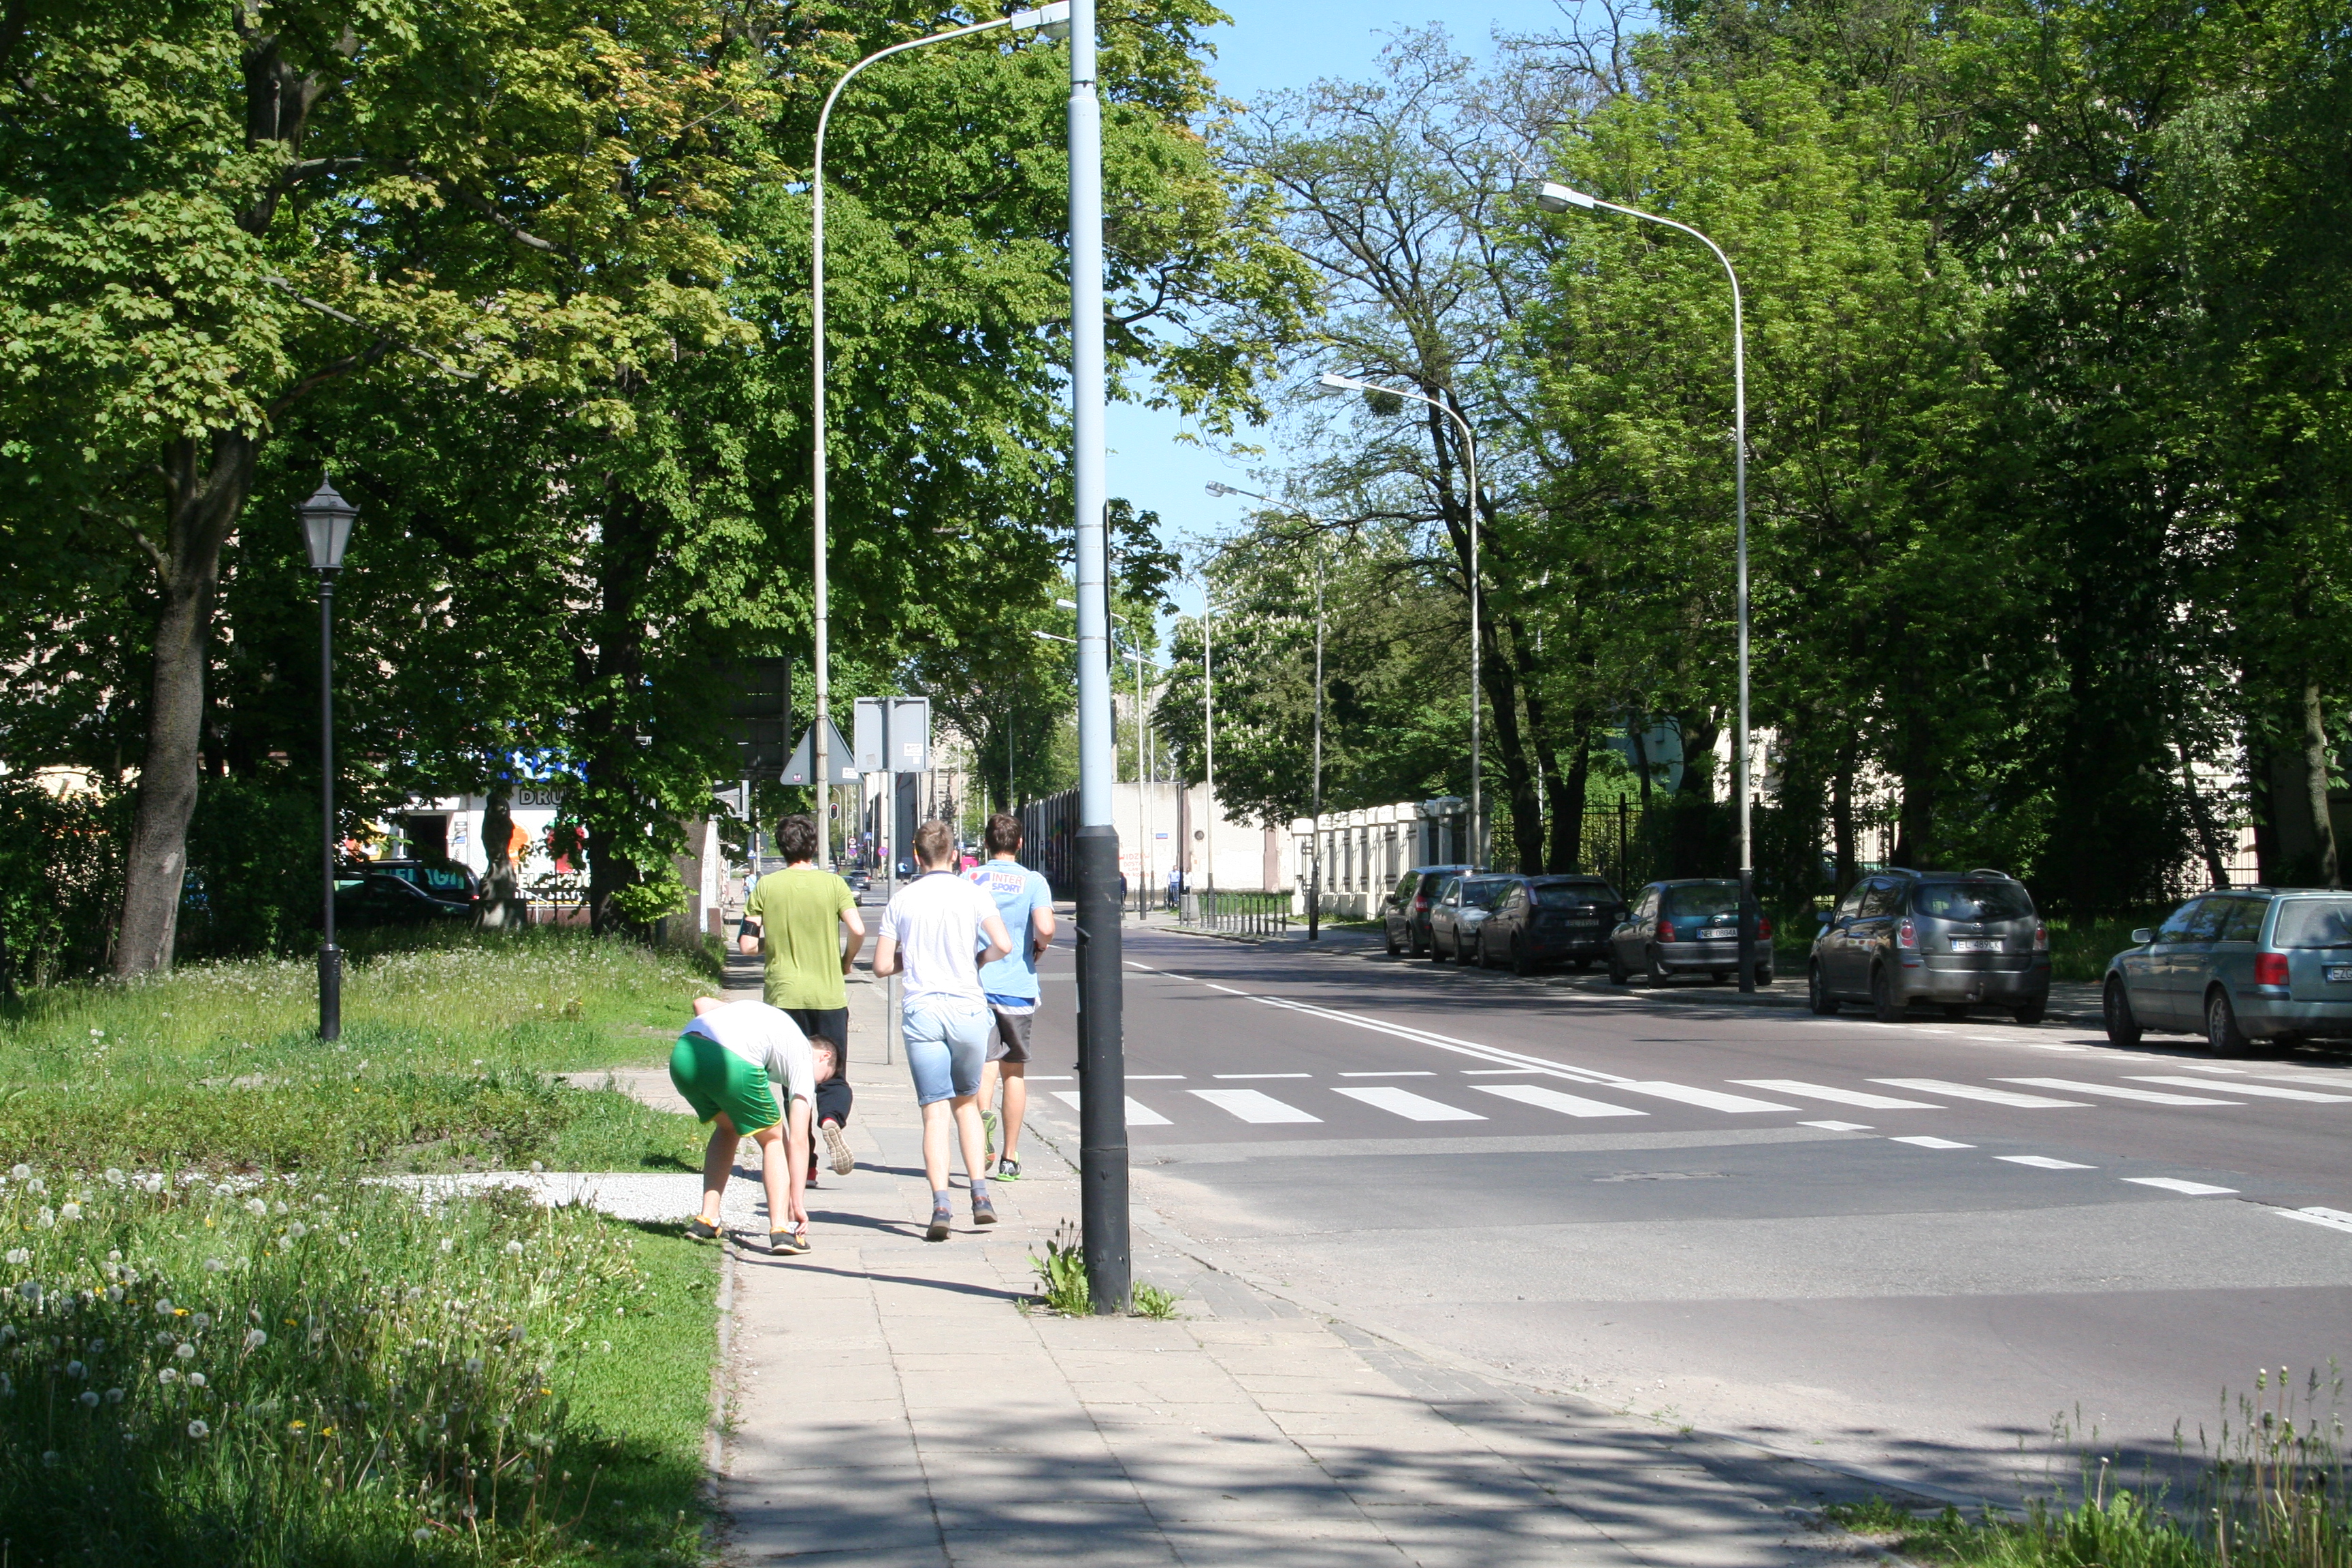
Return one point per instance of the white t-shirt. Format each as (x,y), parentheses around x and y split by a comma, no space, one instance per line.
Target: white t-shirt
(766,1037)
(937,920)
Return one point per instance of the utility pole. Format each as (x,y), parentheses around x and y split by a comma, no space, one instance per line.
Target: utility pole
(1102,1062)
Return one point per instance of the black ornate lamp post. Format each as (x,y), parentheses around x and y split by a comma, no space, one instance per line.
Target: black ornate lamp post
(326,530)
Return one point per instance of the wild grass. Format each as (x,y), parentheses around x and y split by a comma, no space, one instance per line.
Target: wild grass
(2272,1494)
(265,1372)
(446,1061)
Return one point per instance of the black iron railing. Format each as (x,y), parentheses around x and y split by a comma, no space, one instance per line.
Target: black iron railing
(1238,914)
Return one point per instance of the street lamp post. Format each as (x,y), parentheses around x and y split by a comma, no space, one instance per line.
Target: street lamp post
(326,528)
(1552,197)
(1470,448)
(1051,17)
(1313,839)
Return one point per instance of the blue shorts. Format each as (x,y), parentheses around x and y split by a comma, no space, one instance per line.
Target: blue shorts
(947,1042)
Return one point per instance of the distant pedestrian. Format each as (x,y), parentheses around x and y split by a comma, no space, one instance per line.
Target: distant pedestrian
(729,1065)
(806,922)
(1025,904)
(936,932)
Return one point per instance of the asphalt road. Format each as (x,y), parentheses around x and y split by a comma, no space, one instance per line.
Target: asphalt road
(1914,1249)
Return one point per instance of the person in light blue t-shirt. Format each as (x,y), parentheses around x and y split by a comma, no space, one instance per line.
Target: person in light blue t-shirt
(1026,905)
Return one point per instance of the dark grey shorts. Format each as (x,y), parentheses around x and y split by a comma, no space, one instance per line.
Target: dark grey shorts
(1011,1041)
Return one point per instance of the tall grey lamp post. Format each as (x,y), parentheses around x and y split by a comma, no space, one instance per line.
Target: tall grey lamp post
(1552,197)
(1470,446)
(1313,839)
(327,520)
(1051,17)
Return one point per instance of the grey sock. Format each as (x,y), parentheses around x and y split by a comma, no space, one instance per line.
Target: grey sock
(940,1202)
(980,1191)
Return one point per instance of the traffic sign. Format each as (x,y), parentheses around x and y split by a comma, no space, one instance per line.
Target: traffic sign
(894,734)
(802,769)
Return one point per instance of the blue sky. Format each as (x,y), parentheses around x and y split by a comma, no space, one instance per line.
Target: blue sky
(1274,45)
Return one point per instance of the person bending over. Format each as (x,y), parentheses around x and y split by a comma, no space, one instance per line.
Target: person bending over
(729,1065)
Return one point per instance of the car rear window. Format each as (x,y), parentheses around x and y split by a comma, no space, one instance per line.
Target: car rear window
(1572,895)
(1705,898)
(1485,895)
(1972,901)
(2314,923)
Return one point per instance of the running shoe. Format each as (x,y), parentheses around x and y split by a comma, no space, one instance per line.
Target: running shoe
(1007,1170)
(988,1126)
(843,1161)
(787,1241)
(697,1230)
(941,1218)
(984,1211)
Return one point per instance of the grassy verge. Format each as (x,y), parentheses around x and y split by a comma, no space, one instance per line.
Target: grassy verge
(446,1062)
(289,1370)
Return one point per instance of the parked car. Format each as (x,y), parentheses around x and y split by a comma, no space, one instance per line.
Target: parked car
(443,879)
(1962,939)
(380,899)
(858,880)
(1405,913)
(1686,927)
(2238,966)
(1461,908)
(1552,920)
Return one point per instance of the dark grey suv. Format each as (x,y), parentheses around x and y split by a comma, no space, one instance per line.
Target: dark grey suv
(1961,939)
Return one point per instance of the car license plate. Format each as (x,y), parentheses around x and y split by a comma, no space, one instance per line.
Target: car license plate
(2338,973)
(1976,945)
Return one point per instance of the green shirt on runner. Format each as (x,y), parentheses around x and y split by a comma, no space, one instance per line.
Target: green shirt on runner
(799,909)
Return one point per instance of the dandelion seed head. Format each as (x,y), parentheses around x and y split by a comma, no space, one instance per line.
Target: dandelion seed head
(254,1339)
(195,1380)
(169,1374)
(114,1397)
(21,1172)
(19,1255)
(88,1399)
(185,1349)
(199,1431)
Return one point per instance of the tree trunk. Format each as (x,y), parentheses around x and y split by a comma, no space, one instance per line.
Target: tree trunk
(1568,795)
(616,817)
(501,905)
(204,498)
(2316,769)
(1842,821)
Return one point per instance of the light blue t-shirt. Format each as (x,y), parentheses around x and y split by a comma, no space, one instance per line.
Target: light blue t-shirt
(1017,891)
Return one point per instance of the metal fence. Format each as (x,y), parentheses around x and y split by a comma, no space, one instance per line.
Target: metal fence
(1240,914)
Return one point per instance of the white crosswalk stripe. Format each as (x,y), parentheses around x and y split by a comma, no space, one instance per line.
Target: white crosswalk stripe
(1924,1142)
(2175,1185)
(1972,1091)
(1137,1115)
(1840,1095)
(1252,1106)
(2252,1090)
(2117,1092)
(2044,1163)
(1710,1098)
(1412,1107)
(1553,1100)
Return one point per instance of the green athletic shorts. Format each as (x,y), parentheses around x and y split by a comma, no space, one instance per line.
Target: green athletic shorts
(714,1079)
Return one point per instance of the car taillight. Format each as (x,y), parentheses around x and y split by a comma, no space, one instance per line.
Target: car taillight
(2040,937)
(1666,931)
(1763,929)
(1421,905)
(1907,934)
(2269,969)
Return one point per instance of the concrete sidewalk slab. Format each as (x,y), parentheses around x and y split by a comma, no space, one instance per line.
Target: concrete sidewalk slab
(891,1401)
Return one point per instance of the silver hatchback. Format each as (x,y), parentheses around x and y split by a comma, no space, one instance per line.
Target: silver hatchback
(2238,966)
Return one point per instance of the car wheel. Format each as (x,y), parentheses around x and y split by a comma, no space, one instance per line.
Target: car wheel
(1486,954)
(1521,962)
(2030,1013)
(1656,973)
(1763,975)
(1885,1005)
(1817,993)
(2114,1006)
(2222,1031)
(1617,974)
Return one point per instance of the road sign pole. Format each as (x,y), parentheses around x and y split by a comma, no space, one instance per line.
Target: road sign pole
(1102,1115)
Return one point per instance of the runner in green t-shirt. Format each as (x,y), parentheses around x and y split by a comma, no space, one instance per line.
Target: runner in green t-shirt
(795,918)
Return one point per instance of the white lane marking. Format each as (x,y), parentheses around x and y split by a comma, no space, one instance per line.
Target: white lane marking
(2208,1066)
(1050,1077)
(2333,1219)
(2117,1092)
(1252,1106)
(1137,1115)
(2252,1090)
(1226,989)
(1993,1039)
(1931,1142)
(2044,1163)
(2175,1185)
(1554,1100)
(1445,1042)
(2338,1081)
(1397,1072)
(1492,1072)
(1153,1077)
(1412,1107)
(1971,1091)
(1709,1099)
(2070,1050)
(1226,1075)
(1841,1096)
(1838,1126)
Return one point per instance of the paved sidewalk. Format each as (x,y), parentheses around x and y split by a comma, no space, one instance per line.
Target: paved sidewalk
(889,1402)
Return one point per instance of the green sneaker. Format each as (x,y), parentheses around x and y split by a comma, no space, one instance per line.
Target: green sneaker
(988,1126)
(1007,1170)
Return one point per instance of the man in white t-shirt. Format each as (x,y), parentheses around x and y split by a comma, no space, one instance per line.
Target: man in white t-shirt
(938,931)
(730,1064)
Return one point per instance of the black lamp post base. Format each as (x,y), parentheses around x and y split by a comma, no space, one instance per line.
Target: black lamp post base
(330,991)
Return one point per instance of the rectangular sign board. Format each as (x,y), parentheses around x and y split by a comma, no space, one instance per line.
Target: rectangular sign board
(893,734)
